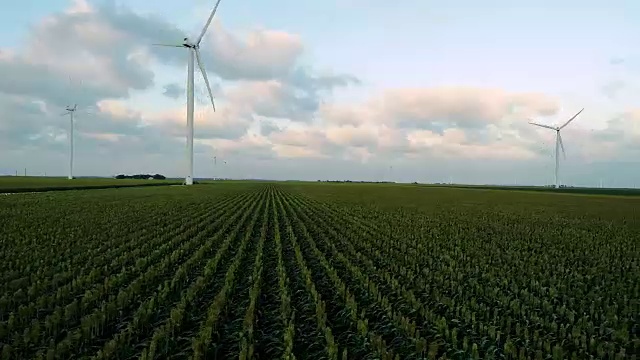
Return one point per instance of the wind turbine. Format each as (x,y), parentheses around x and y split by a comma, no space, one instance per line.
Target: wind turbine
(215,167)
(559,144)
(70,111)
(194,55)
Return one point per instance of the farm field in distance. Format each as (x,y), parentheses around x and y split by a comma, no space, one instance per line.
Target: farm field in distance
(40,183)
(562,190)
(318,271)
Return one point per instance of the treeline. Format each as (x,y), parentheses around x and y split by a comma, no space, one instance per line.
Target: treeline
(141,176)
(356,181)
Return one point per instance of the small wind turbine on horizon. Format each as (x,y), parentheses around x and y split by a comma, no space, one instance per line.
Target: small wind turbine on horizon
(73,111)
(194,55)
(215,166)
(70,110)
(559,144)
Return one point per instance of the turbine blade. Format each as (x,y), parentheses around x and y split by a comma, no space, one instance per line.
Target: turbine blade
(570,120)
(541,125)
(169,45)
(63,114)
(204,75)
(206,26)
(561,145)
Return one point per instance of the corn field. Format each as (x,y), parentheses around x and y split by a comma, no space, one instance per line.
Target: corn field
(314,271)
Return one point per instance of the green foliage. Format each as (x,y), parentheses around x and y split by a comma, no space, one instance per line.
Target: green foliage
(318,271)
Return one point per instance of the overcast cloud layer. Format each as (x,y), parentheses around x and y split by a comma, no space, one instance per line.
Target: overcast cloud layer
(333,107)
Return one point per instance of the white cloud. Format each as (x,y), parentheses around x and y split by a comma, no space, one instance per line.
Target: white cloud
(270,104)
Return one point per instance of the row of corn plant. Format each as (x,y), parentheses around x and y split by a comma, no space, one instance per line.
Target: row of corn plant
(123,343)
(202,342)
(287,315)
(350,305)
(247,337)
(99,323)
(328,237)
(494,308)
(93,284)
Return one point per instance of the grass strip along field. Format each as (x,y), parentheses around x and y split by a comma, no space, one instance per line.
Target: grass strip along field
(567,190)
(286,271)
(21,184)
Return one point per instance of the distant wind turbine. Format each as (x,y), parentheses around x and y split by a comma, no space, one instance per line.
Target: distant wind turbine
(73,111)
(194,54)
(559,144)
(70,111)
(215,167)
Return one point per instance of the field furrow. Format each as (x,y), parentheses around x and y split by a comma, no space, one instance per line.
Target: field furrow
(100,314)
(111,264)
(156,324)
(246,272)
(83,240)
(313,335)
(267,270)
(461,303)
(213,328)
(345,314)
(272,314)
(395,326)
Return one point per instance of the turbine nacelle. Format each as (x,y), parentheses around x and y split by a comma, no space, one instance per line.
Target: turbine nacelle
(186,43)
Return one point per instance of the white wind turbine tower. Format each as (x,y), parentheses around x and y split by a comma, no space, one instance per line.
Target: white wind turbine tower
(70,111)
(559,144)
(215,166)
(194,54)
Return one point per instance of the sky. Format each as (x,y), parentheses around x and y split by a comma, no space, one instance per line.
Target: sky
(426,91)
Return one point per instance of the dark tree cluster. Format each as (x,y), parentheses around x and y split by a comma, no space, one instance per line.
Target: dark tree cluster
(141,176)
(356,181)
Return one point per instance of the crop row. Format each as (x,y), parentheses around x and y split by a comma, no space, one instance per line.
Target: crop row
(268,272)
